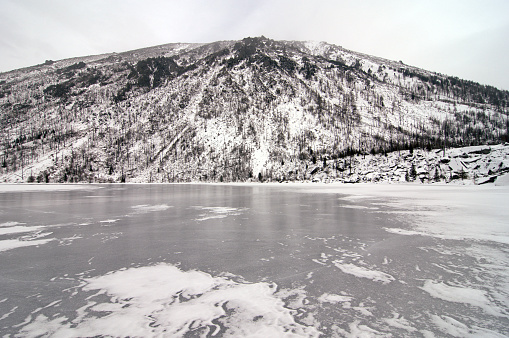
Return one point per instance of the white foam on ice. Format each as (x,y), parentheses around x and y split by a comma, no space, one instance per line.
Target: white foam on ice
(495,262)
(217,212)
(362,272)
(456,328)
(109,221)
(69,240)
(144,208)
(362,207)
(405,232)
(333,298)
(19,229)
(461,294)
(400,322)
(9,224)
(163,300)
(9,244)
(5,315)
(294,298)
(358,330)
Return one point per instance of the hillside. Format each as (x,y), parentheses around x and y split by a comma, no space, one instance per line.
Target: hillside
(236,111)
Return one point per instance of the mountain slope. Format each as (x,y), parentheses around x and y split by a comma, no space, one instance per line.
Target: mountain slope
(230,111)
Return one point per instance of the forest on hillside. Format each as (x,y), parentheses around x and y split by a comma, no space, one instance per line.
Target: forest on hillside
(230,111)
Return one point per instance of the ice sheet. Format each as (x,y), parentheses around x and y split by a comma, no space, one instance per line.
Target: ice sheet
(442,211)
(445,286)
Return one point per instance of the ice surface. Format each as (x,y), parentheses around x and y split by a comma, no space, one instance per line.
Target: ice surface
(360,260)
(163,300)
(443,211)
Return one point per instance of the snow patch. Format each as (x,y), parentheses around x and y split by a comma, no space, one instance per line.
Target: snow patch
(163,300)
(399,322)
(9,224)
(359,330)
(144,208)
(460,295)
(260,158)
(456,328)
(404,232)
(9,244)
(358,207)
(357,271)
(109,221)
(332,298)
(217,212)
(18,229)
(8,313)
(502,181)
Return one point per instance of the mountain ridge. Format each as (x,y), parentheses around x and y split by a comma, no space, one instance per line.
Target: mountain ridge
(230,111)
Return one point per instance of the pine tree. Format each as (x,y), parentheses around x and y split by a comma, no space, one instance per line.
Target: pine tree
(413,172)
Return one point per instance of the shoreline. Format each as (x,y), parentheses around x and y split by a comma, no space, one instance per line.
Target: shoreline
(23,186)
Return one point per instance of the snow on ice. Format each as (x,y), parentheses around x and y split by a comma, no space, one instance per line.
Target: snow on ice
(362,272)
(461,294)
(164,300)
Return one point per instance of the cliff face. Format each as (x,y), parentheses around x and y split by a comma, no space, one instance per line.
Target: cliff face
(230,111)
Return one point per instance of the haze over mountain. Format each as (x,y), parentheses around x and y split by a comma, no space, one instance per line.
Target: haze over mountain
(232,111)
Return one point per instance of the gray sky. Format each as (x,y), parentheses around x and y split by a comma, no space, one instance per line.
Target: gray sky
(464,38)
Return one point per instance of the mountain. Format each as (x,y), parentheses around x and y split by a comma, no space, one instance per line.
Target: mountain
(232,111)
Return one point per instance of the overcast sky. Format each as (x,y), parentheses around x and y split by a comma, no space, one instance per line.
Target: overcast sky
(464,38)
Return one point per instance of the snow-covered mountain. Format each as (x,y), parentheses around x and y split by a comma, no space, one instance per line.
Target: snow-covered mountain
(234,111)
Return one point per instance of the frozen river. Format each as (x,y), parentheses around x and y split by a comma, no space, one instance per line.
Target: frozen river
(261,260)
